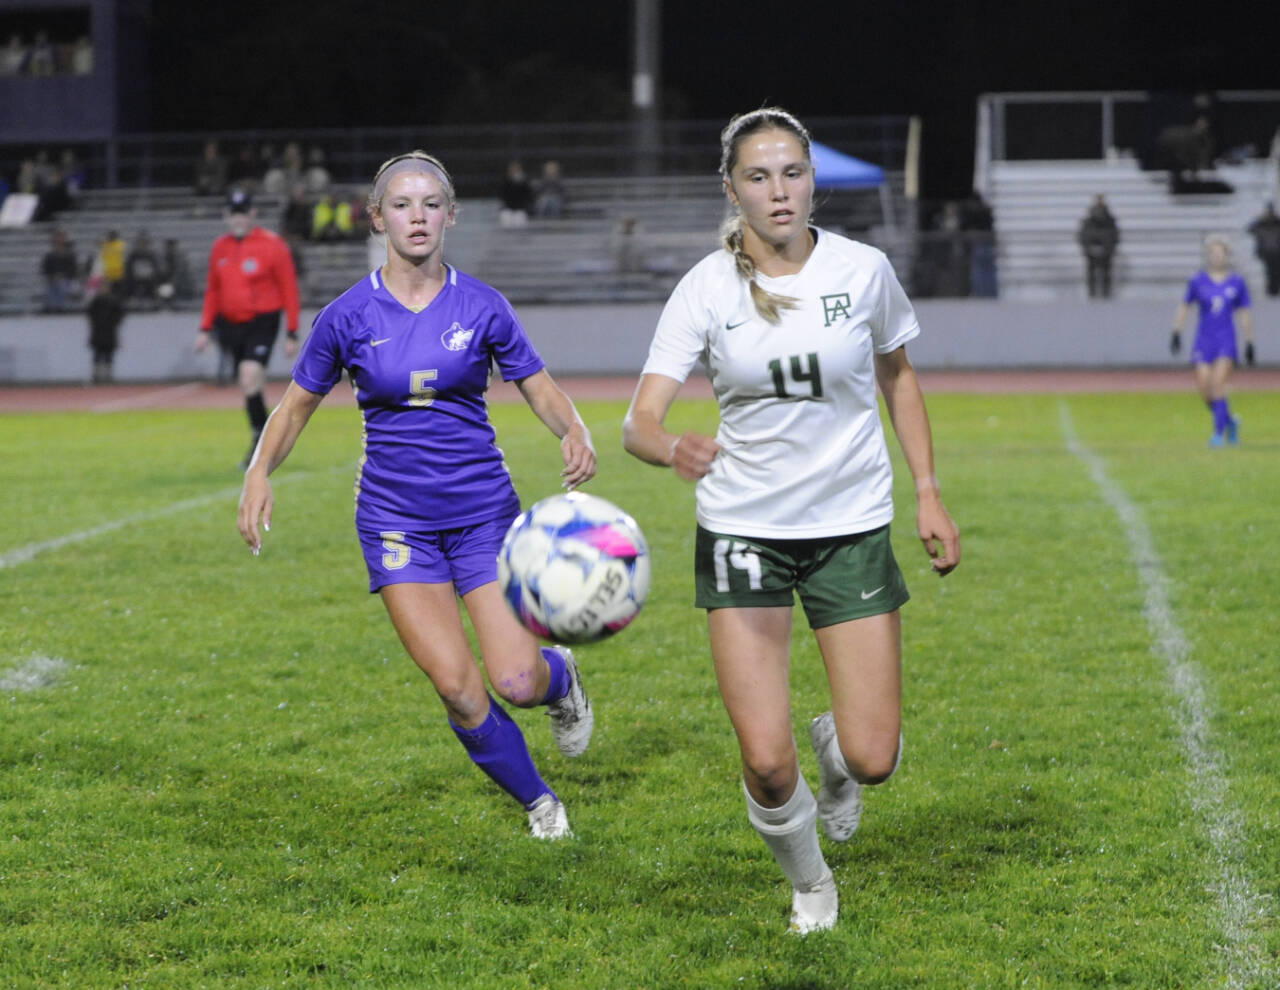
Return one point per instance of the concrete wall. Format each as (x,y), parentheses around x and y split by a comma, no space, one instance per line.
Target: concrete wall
(960,333)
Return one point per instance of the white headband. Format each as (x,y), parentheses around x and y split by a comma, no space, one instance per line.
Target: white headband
(410,165)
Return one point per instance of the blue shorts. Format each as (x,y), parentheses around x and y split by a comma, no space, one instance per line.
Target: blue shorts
(467,557)
(1207,348)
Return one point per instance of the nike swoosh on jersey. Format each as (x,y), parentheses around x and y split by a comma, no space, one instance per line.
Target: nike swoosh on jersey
(734,326)
(872,593)
(375,343)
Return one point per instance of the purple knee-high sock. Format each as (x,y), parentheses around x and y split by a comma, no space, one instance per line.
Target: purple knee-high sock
(559,685)
(498,748)
(1221,415)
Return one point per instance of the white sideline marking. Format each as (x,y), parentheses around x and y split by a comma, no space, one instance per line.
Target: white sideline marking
(147,399)
(1241,911)
(33,674)
(20,555)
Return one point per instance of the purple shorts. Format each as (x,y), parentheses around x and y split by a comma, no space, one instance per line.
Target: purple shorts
(467,557)
(1209,347)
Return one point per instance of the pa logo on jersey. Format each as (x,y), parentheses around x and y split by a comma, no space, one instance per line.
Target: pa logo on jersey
(249,265)
(455,338)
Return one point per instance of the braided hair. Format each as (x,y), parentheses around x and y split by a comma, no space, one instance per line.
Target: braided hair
(768,304)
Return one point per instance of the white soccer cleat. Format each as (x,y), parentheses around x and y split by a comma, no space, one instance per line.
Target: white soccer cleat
(815,910)
(547,819)
(571,717)
(840,796)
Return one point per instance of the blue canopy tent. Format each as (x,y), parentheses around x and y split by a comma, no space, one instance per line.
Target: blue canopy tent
(836,170)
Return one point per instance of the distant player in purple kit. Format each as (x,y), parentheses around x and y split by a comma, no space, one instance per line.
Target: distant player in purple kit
(418,339)
(1222,298)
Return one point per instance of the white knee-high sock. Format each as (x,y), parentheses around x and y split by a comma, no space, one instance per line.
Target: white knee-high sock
(791,833)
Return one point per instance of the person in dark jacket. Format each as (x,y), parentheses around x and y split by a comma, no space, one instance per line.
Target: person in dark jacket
(106,312)
(1098,237)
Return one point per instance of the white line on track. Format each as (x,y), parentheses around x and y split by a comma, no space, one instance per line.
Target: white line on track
(147,400)
(1241,910)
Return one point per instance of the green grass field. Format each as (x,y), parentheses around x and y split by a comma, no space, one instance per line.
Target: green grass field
(221,771)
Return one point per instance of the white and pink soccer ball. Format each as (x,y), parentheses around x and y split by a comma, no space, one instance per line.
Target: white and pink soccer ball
(574,568)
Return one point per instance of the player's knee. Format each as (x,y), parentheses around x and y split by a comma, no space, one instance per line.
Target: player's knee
(877,765)
(519,689)
(775,778)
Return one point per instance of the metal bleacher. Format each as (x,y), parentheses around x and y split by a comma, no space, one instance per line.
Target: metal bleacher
(582,257)
(1038,207)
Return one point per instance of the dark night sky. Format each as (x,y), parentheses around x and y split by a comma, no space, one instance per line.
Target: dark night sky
(378,62)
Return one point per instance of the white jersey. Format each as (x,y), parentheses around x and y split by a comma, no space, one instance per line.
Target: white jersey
(803,450)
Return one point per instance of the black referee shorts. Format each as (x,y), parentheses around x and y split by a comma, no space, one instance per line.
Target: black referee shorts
(251,340)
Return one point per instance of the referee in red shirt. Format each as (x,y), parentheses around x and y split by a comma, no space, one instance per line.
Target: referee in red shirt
(251,282)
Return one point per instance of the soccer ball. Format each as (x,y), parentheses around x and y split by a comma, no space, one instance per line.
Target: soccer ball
(574,568)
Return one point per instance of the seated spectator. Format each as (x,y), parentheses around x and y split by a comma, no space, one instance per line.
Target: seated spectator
(61,271)
(551,198)
(74,176)
(211,171)
(13,57)
(176,284)
(357,210)
(142,271)
(41,60)
(295,222)
(82,56)
(317,179)
(331,219)
(282,175)
(110,260)
(516,197)
(244,171)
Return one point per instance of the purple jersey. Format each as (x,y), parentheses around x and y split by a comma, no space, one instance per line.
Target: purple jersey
(431,458)
(1217,302)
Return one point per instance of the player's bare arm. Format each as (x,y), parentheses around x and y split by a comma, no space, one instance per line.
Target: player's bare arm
(283,427)
(905,402)
(643,434)
(551,405)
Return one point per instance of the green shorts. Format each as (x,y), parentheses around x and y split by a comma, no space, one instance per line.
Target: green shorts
(838,577)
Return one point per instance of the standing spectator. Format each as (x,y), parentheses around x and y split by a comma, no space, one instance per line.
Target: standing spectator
(797,327)
(979,225)
(105,312)
(295,221)
(1098,236)
(60,269)
(551,195)
(1266,245)
(211,171)
(142,271)
(281,176)
(1220,294)
(251,282)
(516,197)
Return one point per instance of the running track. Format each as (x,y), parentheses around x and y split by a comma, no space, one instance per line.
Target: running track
(206,395)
